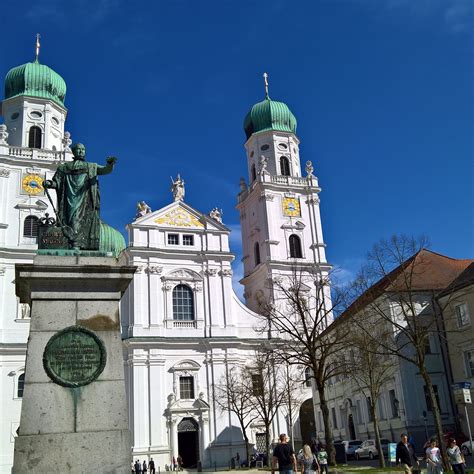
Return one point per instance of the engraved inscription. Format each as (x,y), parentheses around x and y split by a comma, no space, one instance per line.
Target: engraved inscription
(74,356)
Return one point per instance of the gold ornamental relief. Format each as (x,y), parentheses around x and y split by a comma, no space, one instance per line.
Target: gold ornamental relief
(179,218)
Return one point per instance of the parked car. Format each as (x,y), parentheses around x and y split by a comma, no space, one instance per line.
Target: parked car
(467,448)
(368,449)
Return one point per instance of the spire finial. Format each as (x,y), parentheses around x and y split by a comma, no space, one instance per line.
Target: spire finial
(265,79)
(38,36)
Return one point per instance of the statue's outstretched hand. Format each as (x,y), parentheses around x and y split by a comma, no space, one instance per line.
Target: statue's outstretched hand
(47,183)
(111,160)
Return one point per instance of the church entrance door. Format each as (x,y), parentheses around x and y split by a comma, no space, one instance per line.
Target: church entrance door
(188,442)
(307,423)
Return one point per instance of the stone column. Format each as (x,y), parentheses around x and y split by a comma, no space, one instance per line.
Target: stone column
(174,437)
(204,438)
(74,412)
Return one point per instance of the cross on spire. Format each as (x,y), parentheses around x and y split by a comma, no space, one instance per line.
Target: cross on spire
(265,79)
(38,36)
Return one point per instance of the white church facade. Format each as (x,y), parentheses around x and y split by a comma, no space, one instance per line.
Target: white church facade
(183,327)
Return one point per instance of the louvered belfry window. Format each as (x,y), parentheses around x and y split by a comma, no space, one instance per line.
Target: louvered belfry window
(34,137)
(295,247)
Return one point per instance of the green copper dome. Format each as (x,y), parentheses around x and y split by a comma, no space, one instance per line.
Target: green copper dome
(269,115)
(110,240)
(35,80)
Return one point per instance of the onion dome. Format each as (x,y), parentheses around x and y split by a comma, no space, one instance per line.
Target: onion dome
(110,240)
(269,115)
(35,80)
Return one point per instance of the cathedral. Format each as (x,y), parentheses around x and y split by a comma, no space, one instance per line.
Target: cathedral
(183,327)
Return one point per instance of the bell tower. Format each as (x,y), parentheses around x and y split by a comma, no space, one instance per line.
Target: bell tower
(279,208)
(33,108)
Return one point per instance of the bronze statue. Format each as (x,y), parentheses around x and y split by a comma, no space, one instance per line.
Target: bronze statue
(78,198)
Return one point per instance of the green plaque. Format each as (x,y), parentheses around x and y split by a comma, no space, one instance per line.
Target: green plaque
(74,356)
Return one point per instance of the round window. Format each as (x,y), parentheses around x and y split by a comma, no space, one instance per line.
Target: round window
(264,147)
(55,120)
(36,114)
(282,146)
(15,115)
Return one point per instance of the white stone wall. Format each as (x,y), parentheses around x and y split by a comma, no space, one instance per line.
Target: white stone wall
(159,349)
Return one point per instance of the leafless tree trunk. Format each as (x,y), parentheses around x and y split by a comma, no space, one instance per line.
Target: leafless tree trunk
(232,396)
(265,389)
(395,287)
(298,320)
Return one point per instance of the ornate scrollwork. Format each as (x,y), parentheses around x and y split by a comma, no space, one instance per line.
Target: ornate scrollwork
(154,269)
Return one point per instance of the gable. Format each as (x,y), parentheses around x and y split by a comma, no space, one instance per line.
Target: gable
(180,215)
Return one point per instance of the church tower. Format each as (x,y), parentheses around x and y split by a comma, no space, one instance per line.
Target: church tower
(279,208)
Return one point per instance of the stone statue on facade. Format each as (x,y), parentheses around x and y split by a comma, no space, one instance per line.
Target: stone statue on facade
(66,141)
(309,169)
(263,164)
(142,209)
(177,188)
(3,134)
(216,214)
(78,198)
(243,185)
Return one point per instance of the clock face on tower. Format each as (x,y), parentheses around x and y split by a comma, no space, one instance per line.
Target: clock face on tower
(291,207)
(32,183)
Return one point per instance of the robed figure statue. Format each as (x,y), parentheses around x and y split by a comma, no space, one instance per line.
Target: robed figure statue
(78,198)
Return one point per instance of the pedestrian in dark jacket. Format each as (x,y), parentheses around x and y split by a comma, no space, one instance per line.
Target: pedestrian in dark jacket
(406,455)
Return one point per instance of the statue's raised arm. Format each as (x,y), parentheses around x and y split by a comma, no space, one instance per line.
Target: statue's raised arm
(78,198)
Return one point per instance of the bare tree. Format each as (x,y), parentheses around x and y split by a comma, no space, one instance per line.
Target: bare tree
(369,369)
(298,320)
(266,391)
(397,287)
(232,396)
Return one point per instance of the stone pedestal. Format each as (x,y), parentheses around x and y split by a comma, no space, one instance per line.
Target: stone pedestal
(77,422)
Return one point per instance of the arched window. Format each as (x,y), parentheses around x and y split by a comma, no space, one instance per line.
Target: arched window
(284,166)
(21,385)
(256,251)
(34,137)
(183,303)
(254,173)
(30,227)
(295,247)
(307,377)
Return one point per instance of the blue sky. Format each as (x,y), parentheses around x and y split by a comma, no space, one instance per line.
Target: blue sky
(382,90)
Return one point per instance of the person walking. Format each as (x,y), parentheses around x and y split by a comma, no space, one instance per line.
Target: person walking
(138,467)
(405,455)
(144,467)
(151,466)
(308,462)
(456,458)
(433,458)
(323,459)
(284,455)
